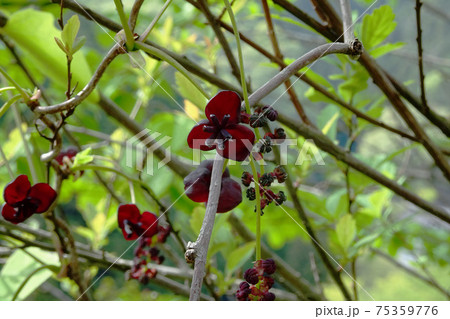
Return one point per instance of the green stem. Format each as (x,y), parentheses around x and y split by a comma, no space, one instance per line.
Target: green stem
(7,88)
(258,136)
(22,285)
(8,103)
(160,54)
(125,26)
(16,85)
(147,31)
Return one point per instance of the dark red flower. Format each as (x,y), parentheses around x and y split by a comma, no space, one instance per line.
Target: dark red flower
(135,225)
(22,200)
(221,130)
(197,185)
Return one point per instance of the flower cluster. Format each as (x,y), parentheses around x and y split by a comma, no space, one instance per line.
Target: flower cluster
(265,181)
(197,185)
(23,200)
(145,228)
(261,116)
(257,282)
(222,129)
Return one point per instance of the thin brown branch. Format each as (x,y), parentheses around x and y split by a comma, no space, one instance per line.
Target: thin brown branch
(276,48)
(84,93)
(420,54)
(203,6)
(325,144)
(134,14)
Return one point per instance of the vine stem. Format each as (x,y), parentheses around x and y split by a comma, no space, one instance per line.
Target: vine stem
(125,26)
(258,136)
(147,31)
(160,54)
(198,250)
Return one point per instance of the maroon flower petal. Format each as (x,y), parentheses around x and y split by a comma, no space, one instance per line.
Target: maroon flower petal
(129,212)
(42,195)
(197,183)
(230,195)
(223,103)
(197,137)
(149,225)
(17,190)
(10,214)
(239,147)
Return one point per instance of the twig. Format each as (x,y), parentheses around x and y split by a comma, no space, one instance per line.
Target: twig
(325,144)
(420,54)
(308,58)
(147,31)
(315,271)
(134,14)
(84,93)
(273,39)
(203,5)
(346,10)
(413,272)
(198,250)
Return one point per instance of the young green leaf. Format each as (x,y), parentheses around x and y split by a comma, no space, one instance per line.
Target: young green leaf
(70,31)
(346,231)
(82,158)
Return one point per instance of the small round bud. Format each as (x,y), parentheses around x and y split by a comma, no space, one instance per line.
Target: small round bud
(246,179)
(257,120)
(270,113)
(281,198)
(251,193)
(279,134)
(251,276)
(268,296)
(266,179)
(269,266)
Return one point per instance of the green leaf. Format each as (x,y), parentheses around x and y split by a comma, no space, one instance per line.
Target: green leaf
(346,231)
(189,91)
(70,31)
(386,48)
(197,219)
(19,266)
(82,158)
(376,27)
(327,120)
(79,42)
(61,45)
(239,256)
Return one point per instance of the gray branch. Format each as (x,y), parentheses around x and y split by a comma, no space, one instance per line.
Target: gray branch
(353,49)
(198,250)
(349,36)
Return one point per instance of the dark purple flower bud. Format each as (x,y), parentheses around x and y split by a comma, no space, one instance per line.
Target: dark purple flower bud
(257,120)
(281,198)
(280,174)
(251,193)
(251,275)
(268,296)
(270,113)
(268,282)
(279,134)
(246,179)
(266,179)
(269,266)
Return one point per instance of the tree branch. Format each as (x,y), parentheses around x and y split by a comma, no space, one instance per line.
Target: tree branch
(198,250)
(84,93)
(325,144)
